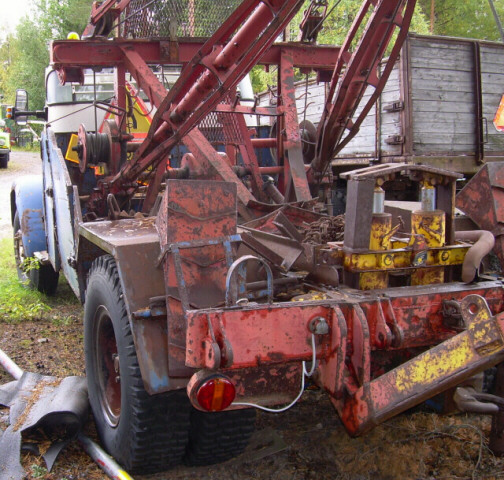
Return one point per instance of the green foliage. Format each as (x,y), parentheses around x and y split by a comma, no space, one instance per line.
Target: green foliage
(340,16)
(27,148)
(469,19)
(19,303)
(29,264)
(25,54)
(60,17)
(29,57)
(38,471)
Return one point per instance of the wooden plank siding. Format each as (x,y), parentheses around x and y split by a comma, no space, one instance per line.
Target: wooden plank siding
(390,125)
(492,88)
(450,89)
(442,125)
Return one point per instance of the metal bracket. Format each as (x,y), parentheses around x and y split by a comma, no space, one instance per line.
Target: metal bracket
(394,140)
(396,106)
(236,279)
(483,330)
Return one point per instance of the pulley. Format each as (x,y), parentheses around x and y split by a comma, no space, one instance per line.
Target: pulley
(92,148)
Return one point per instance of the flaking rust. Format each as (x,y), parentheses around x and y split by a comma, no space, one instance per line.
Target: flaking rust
(232,276)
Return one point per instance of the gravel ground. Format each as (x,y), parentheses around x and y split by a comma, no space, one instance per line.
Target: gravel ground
(21,163)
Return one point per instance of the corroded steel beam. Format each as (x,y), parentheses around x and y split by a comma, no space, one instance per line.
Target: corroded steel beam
(98,52)
(356,70)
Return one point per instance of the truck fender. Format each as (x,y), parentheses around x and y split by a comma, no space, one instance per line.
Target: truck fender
(27,198)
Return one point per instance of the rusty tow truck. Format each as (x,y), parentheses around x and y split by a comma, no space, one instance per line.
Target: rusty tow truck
(213,284)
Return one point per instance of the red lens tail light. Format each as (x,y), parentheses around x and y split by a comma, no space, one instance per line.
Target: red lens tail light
(215,393)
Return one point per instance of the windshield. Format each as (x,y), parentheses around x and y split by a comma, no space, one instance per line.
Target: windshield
(73,92)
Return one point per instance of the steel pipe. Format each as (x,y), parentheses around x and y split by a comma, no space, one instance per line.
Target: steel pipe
(10,366)
(104,461)
(264,142)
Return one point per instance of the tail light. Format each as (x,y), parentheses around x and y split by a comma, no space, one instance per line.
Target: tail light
(214,393)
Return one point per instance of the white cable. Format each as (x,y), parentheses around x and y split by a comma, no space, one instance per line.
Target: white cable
(304,373)
(314,359)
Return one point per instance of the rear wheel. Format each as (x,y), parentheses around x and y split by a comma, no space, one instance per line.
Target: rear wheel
(41,277)
(218,436)
(142,432)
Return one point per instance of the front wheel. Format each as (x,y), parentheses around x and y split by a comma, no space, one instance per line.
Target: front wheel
(142,432)
(4,160)
(41,277)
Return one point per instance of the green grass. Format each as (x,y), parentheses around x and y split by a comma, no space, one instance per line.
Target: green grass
(19,303)
(29,148)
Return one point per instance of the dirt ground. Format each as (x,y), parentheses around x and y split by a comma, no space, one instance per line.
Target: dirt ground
(21,163)
(306,442)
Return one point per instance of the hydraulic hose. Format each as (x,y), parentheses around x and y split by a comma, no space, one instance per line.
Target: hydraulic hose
(483,243)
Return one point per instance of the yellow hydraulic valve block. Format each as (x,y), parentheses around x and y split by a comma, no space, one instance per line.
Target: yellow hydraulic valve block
(432,226)
(381,227)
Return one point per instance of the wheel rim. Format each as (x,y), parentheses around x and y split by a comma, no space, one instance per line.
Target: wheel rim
(107,367)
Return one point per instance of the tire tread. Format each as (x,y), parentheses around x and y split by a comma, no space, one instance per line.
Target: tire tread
(218,436)
(159,424)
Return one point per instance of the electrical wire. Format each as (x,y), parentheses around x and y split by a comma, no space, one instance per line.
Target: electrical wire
(305,373)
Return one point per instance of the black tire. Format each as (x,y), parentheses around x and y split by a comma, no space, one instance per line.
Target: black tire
(144,433)
(44,278)
(218,436)
(4,160)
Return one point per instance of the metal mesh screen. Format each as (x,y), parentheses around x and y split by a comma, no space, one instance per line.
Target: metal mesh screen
(175,18)
(221,128)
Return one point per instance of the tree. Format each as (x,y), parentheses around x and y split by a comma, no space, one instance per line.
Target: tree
(57,18)
(468,19)
(29,58)
(25,54)
(340,16)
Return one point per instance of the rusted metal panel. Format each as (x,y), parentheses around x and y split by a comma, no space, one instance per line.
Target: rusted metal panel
(482,199)
(267,335)
(283,380)
(296,186)
(134,243)
(419,313)
(479,347)
(194,273)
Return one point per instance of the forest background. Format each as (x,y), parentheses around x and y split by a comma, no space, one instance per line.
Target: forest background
(24,53)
